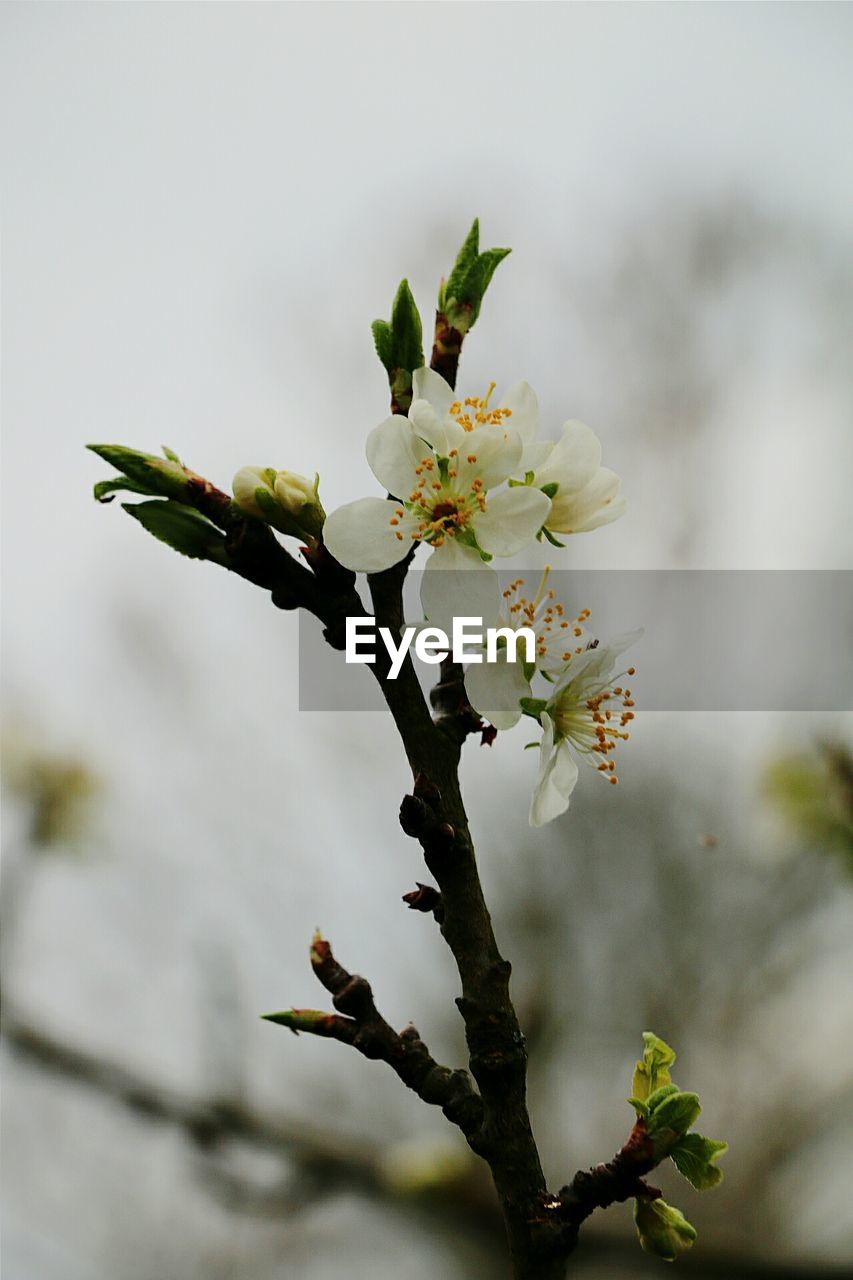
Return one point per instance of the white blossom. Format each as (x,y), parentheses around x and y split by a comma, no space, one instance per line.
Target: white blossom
(586,716)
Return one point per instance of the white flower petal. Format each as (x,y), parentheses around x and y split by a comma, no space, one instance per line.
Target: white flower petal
(596,504)
(496,454)
(494,689)
(429,385)
(457,583)
(574,460)
(591,670)
(534,457)
(394,451)
(558,774)
(521,399)
(511,520)
(427,424)
(360,536)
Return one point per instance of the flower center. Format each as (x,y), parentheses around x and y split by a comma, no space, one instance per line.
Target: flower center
(474,411)
(556,632)
(592,726)
(441,501)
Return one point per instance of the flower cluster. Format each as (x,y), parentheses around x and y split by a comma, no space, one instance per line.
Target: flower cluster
(469,479)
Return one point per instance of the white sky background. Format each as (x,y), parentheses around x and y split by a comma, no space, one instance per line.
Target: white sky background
(204,207)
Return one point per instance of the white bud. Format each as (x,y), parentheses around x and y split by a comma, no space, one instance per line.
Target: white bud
(299,497)
(245,485)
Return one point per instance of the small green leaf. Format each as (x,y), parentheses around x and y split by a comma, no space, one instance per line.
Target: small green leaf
(652,1070)
(676,1113)
(479,278)
(461,295)
(158,477)
(105,490)
(465,260)
(407,330)
(555,542)
(382,341)
(181,528)
(658,1096)
(663,1229)
(170,454)
(640,1107)
(694,1157)
(399,345)
(548,489)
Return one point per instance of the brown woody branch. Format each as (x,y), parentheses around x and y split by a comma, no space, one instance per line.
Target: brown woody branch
(622,1178)
(363,1027)
(435,815)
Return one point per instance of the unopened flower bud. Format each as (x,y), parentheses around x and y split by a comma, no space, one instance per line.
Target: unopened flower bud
(283,499)
(245,486)
(300,498)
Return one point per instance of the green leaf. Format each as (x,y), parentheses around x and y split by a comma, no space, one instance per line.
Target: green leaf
(479,278)
(555,542)
(640,1107)
(677,1112)
(663,1229)
(105,490)
(382,341)
(652,1071)
(550,488)
(461,295)
(670,1120)
(181,528)
(658,1096)
(465,261)
(694,1157)
(170,454)
(399,344)
(407,330)
(158,477)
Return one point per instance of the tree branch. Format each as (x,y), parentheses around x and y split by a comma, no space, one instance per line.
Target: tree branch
(363,1027)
